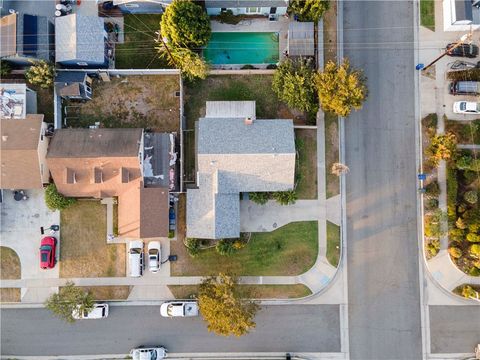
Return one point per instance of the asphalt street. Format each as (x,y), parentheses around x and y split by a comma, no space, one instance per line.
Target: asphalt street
(383,279)
(280,329)
(454,329)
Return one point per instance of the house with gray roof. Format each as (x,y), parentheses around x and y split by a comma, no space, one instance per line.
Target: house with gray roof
(80,41)
(236,153)
(271,8)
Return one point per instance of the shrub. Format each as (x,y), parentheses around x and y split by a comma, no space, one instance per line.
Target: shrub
(55,200)
(464,162)
(470,176)
(227,17)
(238,244)
(308,10)
(461,75)
(5,69)
(185,24)
(442,147)
(293,83)
(431,204)
(475,251)
(473,271)
(471,197)
(171,234)
(193,246)
(474,238)
(456,234)
(430,121)
(455,252)
(432,190)
(225,247)
(474,227)
(260,198)
(41,73)
(433,247)
(248,67)
(285,197)
(452,187)
(460,223)
(469,292)
(272,66)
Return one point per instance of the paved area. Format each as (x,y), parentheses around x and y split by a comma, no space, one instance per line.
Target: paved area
(383,281)
(20,230)
(454,329)
(279,329)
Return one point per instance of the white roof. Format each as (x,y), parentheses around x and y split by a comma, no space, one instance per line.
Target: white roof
(13,102)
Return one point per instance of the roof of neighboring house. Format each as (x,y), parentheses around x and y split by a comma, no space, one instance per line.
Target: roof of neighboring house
(229,109)
(13,101)
(233,157)
(8,35)
(79,38)
(70,76)
(20,165)
(245,3)
(301,39)
(94,143)
(143,212)
(70,83)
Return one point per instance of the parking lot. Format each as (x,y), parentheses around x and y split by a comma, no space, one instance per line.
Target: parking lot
(21,222)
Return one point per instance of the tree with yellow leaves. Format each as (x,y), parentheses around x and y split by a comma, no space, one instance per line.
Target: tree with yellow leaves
(221,306)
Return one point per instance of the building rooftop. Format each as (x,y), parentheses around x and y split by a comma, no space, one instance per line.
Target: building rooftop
(8,35)
(301,39)
(13,101)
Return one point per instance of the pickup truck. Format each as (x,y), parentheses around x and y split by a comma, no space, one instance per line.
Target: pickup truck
(179,309)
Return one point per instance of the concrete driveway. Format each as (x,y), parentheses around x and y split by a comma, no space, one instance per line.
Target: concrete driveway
(20,230)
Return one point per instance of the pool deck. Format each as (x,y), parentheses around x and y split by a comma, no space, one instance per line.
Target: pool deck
(258,25)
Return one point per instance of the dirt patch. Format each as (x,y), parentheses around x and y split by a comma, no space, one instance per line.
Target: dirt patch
(109,292)
(331,154)
(83,250)
(132,101)
(330,33)
(10,295)
(9,264)
(306,170)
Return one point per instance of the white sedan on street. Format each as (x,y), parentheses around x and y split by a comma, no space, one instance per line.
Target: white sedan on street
(154,256)
(148,353)
(99,311)
(466,107)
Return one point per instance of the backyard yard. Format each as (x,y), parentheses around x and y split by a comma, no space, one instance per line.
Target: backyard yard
(306,171)
(9,270)
(139,49)
(84,251)
(289,250)
(148,101)
(231,88)
(249,291)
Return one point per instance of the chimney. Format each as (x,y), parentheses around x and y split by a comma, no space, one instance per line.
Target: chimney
(248,121)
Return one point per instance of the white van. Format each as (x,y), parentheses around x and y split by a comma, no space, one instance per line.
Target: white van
(136,258)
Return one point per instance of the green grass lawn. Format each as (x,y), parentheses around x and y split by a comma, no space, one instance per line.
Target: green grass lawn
(333,243)
(306,170)
(332,182)
(289,250)
(249,291)
(427,14)
(138,51)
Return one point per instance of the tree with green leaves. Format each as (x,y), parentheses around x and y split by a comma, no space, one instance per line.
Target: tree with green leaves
(41,73)
(221,306)
(340,88)
(442,147)
(55,200)
(190,63)
(293,83)
(308,10)
(185,24)
(5,68)
(260,198)
(285,197)
(68,300)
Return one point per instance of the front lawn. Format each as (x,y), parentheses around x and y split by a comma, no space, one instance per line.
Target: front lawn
(8,295)
(427,14)
(249,291)
(332,182)
(333,243)
(289,250)
(306,169)
(467,132)
(9,264)
(230,88)
(139,50)
(83,246)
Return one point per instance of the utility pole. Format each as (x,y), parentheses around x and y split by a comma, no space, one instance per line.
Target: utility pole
(461,41)
(160,39)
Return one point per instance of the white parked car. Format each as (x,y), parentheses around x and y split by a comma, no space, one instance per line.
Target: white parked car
(179,309)
(136,258)
(99,311)
(154,256)
(148,353)
(466,107)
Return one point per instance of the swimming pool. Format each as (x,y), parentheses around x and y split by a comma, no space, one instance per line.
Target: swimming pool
(242,48)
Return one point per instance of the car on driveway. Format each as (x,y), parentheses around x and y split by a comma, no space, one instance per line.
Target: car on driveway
(48,247)
(99,311)
(466,107)
(149,353)
(179,309)
(154,256)
(464,50)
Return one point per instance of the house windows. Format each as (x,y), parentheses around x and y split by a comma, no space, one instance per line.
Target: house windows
(253,10)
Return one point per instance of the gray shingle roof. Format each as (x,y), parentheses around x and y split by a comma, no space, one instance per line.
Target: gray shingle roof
(232,158)
(245,3)
(80,38)
(301,39)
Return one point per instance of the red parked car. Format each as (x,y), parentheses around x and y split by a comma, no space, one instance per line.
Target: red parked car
(47,252)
